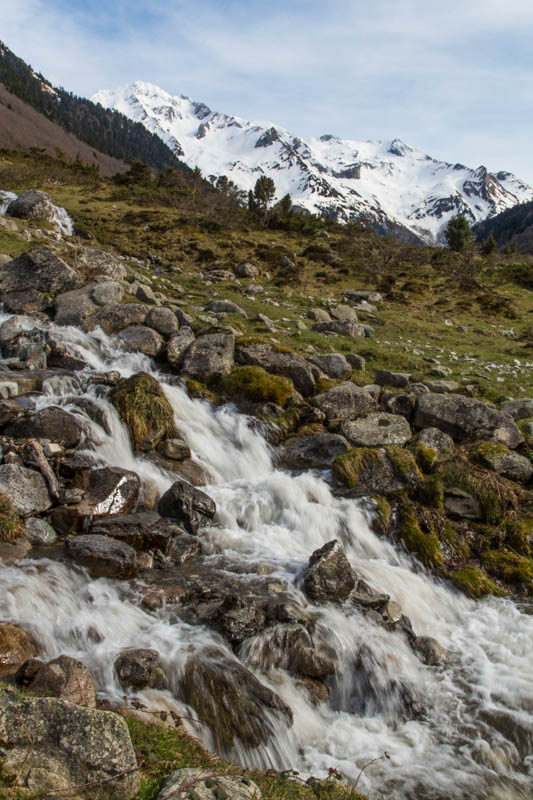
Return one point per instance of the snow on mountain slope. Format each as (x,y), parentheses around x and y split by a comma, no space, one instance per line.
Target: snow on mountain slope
(397,187)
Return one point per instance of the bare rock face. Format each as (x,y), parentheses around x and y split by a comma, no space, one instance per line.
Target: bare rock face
(205,787)
(328,577)
(16,646)
(38,270)
(464,418)
(230,699)
(343,402)
(72,746)
(26,489)
(140,669)
(102,556)
(377,430)
(64,677)
(32,205)
(188,506)
(141,339)
(210,356)
(177,346)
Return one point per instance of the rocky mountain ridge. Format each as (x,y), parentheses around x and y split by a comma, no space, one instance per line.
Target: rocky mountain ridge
(398,188)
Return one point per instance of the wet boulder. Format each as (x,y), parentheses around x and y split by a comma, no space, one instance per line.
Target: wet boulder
(188,506)
(229,699)
(328,576)
(102,556)
(291,647)
(140,669)
(183,548)
(377,430)
(205,787)
(16,647)
(72,746)
(210,356)
(145,410)
(312,452)
(429,650)
(26,488)
(278,362)
(142,531)
(51,423)
(343,402)
(64,677)
(32,204)
(103,491)
(141,339)
(465,418)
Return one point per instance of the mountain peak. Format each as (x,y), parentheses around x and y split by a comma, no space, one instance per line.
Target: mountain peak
(341,178)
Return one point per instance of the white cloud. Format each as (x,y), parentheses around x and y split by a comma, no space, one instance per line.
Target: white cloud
(452,79)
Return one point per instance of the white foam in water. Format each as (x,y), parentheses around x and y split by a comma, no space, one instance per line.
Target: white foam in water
(471,738)
(61,217)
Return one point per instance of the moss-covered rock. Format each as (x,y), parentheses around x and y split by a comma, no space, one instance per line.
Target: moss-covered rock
(145,410)
(11,527)
(423,544)
(425,456)
(510,567)
(257,385)
(200,391)
(471,580)
(377,471)
(495,496)
(382,516)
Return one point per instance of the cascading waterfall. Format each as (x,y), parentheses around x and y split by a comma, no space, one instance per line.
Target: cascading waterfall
(61,217)
(473,735)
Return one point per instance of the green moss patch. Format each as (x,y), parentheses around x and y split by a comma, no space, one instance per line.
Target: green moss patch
(145,410)
(509,567)
(474,582)
(11,527)
(423,544)
(257,386)
(347,468)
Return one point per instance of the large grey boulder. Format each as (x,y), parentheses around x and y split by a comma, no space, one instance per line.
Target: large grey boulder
(200,784)
(519,409)
(92,264)
(210,356)
(52,423)
(334,365)
(32,205)
(464,417)
(343,312)
(376,470)
(102,556)
(229,699)
(278,362)
(75,306)
(312,452)
(505,462)
(177,346)
(188,506)
(246,270)
(377,430)
(385,377)
(70,746)
(436,440)
(328,577)
(163,320)
(343,402)
(225,307)
(115,317)
(26,489)
(40,270)
(141,339)
(343,327)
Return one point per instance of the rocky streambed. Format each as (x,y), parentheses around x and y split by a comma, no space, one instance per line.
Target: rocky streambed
(275,570)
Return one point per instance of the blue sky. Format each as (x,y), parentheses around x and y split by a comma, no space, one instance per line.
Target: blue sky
(454,78)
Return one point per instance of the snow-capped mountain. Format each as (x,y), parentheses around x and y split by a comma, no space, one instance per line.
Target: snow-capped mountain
(396,187)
